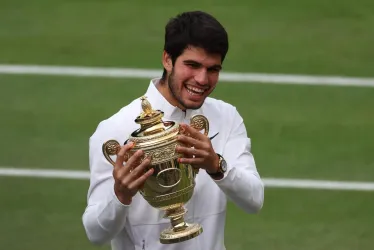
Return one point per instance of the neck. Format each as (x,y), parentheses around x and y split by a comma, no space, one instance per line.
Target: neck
(165,91)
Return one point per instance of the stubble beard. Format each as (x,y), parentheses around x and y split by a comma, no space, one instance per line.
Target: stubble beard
(172,87)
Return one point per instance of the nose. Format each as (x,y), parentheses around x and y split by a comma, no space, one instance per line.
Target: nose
(201,77)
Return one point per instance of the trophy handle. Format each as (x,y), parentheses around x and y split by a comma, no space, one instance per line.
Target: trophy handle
(111,147)
(200,122)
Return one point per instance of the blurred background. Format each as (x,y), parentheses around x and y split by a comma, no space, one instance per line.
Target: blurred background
(302,132)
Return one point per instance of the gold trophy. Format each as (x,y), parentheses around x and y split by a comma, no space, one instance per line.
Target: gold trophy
(172,183)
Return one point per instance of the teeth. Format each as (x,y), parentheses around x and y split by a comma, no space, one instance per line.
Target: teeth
(195,89)
(192,93)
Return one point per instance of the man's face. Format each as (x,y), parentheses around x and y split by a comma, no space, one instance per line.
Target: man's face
(194,76)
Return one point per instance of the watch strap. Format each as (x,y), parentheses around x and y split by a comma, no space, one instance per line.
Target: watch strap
(220,171)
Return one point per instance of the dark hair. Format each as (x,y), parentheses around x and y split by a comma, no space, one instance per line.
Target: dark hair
(194,28)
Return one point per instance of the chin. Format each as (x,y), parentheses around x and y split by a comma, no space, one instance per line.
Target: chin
(193,105)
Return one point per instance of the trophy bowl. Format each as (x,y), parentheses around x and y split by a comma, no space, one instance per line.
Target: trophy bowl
(172,183)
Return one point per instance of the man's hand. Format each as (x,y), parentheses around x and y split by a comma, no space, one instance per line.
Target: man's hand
(129,178)
(199,151)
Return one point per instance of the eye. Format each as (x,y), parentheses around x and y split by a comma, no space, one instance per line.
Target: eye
(193,65)
(214,70)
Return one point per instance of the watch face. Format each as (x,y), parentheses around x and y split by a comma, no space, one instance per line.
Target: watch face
(223,165)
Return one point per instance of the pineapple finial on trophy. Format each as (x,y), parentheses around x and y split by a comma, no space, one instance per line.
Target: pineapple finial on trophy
(147,108)
(148,116)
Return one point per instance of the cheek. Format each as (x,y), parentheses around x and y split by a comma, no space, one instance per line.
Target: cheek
(187,74)
(213,79)
(185,77)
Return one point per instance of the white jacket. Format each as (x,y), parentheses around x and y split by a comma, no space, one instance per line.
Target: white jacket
(138,225)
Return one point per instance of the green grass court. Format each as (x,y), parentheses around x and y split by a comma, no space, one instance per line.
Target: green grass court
(297,131)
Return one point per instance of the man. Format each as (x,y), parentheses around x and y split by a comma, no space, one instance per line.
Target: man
(195,47)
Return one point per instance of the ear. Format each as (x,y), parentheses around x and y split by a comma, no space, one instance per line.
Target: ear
(167,62)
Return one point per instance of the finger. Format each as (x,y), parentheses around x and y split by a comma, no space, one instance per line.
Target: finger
(189,152)
(140,169)
(141,180)
(122,153)
(125,170)
(190,141)
(124,174)
(134,160)
(193,132)
(132,163)
(187,155)
(193,161)
(184,155)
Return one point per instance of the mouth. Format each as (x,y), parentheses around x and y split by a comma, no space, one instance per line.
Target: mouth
(195,91)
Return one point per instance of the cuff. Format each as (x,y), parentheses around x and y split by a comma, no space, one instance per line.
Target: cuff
(113,215)
(224,176)
(117,202)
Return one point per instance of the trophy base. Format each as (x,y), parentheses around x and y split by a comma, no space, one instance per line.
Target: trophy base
(169,236)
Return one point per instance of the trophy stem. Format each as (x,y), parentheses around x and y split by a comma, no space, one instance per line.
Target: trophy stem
(176,218)
(180,230)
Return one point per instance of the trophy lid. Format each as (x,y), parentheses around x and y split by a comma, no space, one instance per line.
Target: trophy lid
(152,128)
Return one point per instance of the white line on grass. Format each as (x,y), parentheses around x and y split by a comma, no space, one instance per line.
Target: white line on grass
(150,73)
(44,173)
(269,182)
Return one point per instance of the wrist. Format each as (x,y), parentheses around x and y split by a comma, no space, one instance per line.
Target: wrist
(125,200)
(221,168)
(215,166)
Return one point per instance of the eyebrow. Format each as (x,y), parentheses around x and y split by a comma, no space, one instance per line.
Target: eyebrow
(216,66)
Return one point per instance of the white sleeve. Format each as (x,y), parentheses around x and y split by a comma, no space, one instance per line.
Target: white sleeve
(105,216)
(241,183)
